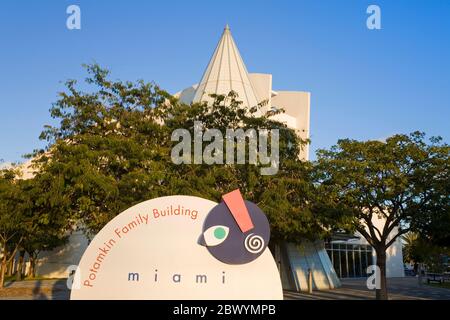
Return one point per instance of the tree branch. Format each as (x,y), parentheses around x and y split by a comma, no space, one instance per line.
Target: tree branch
(13,254)
(396,236)
(366,235)
(370,226)
(378,231)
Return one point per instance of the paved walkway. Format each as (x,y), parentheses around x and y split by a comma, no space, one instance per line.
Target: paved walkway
(355,289)
(36,290)
(352,289)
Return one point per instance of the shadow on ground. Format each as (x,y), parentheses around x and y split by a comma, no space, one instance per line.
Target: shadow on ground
(406,288)
(35,290)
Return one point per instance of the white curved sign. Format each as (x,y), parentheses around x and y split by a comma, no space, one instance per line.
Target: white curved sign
(152,251)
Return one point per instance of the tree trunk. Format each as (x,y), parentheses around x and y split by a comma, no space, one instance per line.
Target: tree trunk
(32,266)
(3,270)
(19,271)
(381,292)
(419,274)
(10,267)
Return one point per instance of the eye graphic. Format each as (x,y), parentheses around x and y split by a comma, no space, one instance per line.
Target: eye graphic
(215,235)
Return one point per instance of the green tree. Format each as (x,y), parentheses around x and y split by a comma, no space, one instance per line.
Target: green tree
(400,180)
(410,252)
(49,224)
(109,150)
(33,217)
(283,197)
(420,250)
(42,239)
(50,221)
(14,218)
(112,149)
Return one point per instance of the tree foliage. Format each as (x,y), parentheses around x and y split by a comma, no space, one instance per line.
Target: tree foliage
(32,216)
(417,249)
(49,223)
(14,217)
(403,181)
(112,148)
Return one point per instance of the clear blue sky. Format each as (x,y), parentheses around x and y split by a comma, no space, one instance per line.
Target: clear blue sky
(365,84)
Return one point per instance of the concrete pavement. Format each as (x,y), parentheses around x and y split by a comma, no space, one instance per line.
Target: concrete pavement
(406,288)
(352,289)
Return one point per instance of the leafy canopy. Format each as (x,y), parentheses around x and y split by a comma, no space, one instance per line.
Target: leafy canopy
(112,150)
(403,180)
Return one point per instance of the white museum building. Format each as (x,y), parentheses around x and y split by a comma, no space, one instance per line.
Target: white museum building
(341,257)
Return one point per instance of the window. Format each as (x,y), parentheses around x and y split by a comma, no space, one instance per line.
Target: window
(330,254)
(364,263)
(337,262)
(357,254)
(350,260)
(344,273)
(351,265)
(369,259)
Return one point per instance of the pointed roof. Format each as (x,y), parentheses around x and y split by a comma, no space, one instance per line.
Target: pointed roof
(226,71)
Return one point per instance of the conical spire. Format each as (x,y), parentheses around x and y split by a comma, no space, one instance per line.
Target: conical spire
(226,71)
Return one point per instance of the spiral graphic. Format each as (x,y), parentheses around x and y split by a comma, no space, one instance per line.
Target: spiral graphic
(254,243)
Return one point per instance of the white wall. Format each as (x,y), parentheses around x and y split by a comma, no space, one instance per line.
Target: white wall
(262,85)
(394,254)
(54,264)
(296,104)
